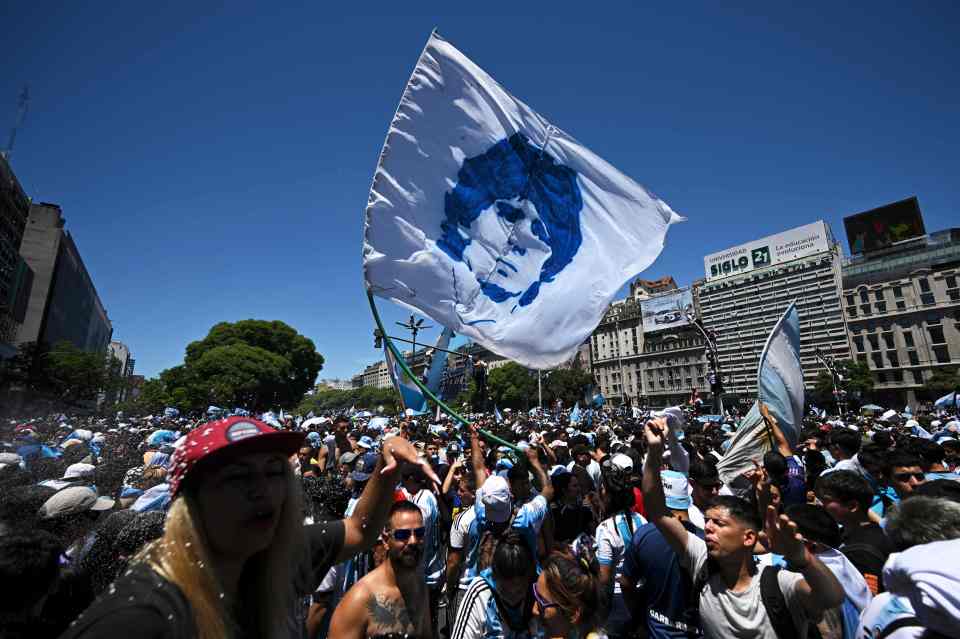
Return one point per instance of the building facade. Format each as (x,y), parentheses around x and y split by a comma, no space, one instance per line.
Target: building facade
(63,303)
(120,354)
(747,288)
(16,277)
(615,347)
(902,307)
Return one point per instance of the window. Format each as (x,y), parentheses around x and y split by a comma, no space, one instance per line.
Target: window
(865,309)
(936,334)
(850,301)
(881,377)
(917,377)
(878,295)
(852,311)
(908,338)
(888,340)
(896,375)
(901,305)
(864,296)
(897,291)
(954,295)
(951,281)
(858,342)
(881,307)
(874,342)
(914,360)
(924,285)
(894,361)
(877,360)
(941,354)
(926,299)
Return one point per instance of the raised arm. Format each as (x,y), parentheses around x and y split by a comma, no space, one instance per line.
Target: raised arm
(476,456)
(653,500)
(361,529)
(819,589)
(543,480)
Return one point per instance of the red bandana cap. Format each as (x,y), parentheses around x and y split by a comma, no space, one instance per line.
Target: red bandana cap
(231,434)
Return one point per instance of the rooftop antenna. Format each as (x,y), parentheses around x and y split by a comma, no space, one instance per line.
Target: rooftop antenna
(22,103)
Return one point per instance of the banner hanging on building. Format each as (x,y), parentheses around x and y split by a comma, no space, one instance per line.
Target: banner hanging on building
(495,223)
(667,311)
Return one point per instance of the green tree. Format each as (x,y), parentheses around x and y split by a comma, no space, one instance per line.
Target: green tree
(567,385)
(857,379)
(942,381)
(256,339)
(75,374)
(511,385)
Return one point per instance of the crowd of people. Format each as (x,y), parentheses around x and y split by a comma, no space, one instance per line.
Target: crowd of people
(528,525)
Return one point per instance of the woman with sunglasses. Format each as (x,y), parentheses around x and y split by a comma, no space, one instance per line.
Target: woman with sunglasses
(235,554)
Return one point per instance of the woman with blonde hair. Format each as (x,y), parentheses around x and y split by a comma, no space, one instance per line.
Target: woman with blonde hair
(235,555)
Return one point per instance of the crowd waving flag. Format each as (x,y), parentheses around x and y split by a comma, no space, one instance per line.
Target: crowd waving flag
(495,223)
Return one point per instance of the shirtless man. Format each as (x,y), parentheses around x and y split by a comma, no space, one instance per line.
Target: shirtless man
(392,601)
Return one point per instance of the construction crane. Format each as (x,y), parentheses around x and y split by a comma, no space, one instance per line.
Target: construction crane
(22,103)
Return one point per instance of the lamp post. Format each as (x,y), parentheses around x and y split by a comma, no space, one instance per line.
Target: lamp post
(716,377)
(836,377)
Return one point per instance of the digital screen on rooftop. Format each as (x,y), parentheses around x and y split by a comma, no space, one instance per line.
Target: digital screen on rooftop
(884,226)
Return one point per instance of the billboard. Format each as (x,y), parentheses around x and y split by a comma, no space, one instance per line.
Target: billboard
(667,311)
(884,226)
(774,249)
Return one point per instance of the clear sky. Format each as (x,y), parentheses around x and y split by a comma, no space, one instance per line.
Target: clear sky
(213,162)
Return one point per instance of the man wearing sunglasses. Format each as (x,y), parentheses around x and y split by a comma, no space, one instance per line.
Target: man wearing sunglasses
(393,599)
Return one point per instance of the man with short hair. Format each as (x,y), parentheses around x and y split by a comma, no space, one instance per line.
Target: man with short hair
(903,472)
(847,496)
(730,590)
(392,600)
(413,485)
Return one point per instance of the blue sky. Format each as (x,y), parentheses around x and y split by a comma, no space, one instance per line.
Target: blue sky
(213,161)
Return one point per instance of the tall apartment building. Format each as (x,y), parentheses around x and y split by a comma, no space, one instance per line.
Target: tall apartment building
(644,350)
(747,288)
(120,352)
(16,277)
(63,303)
(902,303)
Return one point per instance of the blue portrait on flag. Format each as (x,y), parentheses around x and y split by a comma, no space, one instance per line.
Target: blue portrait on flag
(513,218)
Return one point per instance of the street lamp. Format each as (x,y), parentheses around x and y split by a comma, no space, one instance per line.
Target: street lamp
(716,377)
(839,394)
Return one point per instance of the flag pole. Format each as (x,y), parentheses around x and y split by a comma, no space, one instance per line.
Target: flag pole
(423,388)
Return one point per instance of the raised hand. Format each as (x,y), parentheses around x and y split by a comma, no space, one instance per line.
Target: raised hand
(655,433)
(784,538)
(396,450)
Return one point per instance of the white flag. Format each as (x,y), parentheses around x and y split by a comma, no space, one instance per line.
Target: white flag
(495,223)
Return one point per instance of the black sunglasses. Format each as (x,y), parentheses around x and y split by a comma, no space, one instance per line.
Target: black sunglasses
(403,534)
(907,476)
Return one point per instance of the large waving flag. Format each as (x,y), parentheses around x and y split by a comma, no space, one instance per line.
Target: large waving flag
(780,377)
(410,394)
(948,401)
(492,221)
(439,362)
(575,414)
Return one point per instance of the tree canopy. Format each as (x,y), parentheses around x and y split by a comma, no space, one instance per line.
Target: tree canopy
(257,364)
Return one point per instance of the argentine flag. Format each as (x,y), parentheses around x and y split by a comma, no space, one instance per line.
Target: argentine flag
(780,377)
(495,223)
(410,394)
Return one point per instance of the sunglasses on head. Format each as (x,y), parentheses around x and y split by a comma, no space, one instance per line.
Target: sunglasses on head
(403,534)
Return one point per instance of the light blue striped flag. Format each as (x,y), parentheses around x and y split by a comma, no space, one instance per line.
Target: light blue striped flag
(780,377)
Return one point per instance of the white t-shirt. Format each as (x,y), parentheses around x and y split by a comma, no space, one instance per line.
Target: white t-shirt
(610,542)
(725,614)
(593,470)
(460,538)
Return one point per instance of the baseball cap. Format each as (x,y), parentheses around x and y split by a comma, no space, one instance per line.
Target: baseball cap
(348,458)
(209,441)
(9,459)
(453,449)
(496,500)
(675,489)
(365,467)
(622,462)
(75,471)
(74,500)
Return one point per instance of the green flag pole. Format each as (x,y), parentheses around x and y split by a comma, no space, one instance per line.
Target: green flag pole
(423,388)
